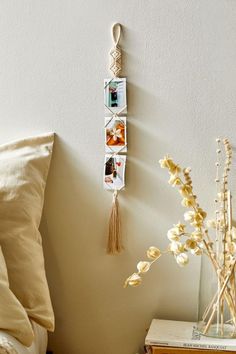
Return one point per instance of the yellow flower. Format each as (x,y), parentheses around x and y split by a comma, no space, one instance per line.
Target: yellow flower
(194,243)
(143,267)
(190,244)
(180,227)
(164,163)
(153,252)
(182,259)
(175,170)
(197,236)
(195,218)
(174,180)
(189,216)
(188,202)
(173,234)
(167,162)
(197,223)
(185,190)
(133,280)
(176,247)
(202,213)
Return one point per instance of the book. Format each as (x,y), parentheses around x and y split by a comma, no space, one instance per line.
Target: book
(174,350)
(184,335)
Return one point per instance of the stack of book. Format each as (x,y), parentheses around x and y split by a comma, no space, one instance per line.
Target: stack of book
(177,334)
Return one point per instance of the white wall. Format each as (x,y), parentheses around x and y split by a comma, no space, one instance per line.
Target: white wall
(179,60)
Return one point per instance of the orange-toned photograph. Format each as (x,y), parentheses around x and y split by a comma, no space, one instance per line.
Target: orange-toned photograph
(115,134)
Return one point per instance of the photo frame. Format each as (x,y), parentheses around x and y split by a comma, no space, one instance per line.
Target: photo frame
(115,101)
(115,134)
(114,172)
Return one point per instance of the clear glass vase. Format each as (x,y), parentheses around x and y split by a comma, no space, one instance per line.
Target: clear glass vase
(217,299)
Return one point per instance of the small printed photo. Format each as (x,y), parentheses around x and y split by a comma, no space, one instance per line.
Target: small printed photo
(115,134)
(114,172)
(115,95)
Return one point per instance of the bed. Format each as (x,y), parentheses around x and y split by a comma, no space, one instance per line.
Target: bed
(10,345)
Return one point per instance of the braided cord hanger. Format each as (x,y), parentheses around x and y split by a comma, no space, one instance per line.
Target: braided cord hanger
(115,53)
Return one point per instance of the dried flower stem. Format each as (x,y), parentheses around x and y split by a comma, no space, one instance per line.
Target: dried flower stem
(219,298)
(217,222)
(217,268)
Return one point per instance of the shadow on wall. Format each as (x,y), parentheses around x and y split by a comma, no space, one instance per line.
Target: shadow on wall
(145,181)
(70,230)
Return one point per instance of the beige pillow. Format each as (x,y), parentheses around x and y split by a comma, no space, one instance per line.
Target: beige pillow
(24,167)
(13,317)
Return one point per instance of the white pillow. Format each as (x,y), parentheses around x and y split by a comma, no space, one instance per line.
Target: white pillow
(13,317)
(24,167)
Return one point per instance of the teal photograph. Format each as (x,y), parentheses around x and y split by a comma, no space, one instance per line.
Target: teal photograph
(115,95)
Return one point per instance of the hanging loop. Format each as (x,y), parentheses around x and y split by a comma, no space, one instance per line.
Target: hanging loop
(115,52)
(116,32)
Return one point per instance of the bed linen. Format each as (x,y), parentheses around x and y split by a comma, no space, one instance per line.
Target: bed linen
(24,166)
(13,317)
(10,345)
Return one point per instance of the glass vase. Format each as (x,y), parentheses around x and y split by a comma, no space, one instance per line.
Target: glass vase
(217,298)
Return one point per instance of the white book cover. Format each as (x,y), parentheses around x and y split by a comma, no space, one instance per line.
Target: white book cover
(184,334)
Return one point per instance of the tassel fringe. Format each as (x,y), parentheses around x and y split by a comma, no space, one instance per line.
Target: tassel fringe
(114,244)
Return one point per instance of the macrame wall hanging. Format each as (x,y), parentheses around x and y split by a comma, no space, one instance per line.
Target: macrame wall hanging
(115,139)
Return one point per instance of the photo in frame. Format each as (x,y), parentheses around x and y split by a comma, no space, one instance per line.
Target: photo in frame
(114,172)
(115,134)
(115,95)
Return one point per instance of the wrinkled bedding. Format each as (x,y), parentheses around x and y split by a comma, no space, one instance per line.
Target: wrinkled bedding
(10,345)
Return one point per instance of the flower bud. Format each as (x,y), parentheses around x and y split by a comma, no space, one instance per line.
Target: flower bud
(190,244)
(143,267)
(185,190)
(188,202)
(174,180)
(173,234)
(197,236)
(189,216)
(133,280)
(153,252)
(182,259)
(164,163)
(176,247)
(202,213)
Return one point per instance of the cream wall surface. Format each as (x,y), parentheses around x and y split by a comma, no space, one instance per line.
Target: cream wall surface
(180,62)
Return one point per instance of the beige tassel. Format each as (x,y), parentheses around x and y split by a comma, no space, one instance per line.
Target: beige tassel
(114,244)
